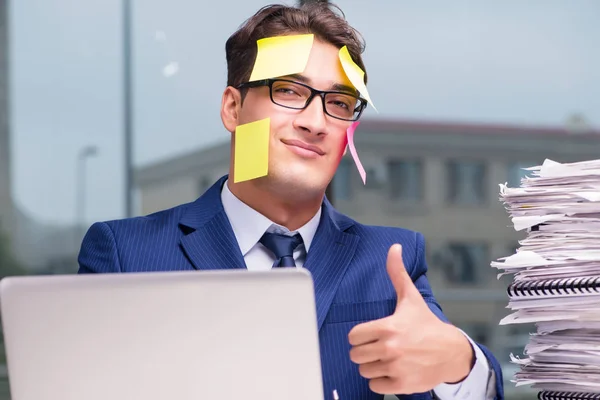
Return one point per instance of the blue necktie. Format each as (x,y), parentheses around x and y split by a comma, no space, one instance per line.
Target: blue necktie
(282,246)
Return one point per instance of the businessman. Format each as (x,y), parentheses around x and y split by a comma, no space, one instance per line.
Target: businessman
(381,330)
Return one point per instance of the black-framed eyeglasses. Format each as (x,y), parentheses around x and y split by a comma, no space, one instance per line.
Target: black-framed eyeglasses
(297,96)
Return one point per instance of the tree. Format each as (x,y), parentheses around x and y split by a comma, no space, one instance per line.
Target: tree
(9,266)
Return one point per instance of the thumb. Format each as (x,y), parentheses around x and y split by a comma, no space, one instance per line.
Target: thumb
(398,275)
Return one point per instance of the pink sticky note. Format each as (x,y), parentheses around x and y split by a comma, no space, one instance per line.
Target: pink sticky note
(350,136)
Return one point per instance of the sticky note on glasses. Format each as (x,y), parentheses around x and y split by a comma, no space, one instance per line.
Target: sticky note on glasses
(281,55)
(251,152)
(350,138)
(354,74)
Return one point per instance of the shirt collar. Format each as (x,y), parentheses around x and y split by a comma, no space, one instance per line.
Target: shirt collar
(249,225)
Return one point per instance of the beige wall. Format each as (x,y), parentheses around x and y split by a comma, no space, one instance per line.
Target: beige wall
(164,195)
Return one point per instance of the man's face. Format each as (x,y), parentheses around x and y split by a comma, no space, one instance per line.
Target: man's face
(305,145)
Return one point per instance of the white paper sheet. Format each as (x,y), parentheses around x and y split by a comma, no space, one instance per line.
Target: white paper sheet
(558,206)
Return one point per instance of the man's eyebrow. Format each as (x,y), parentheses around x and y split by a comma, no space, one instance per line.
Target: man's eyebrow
(338,87)
(344,88)
(298,77)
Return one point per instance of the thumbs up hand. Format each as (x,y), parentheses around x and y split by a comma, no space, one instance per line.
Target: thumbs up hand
(412,350)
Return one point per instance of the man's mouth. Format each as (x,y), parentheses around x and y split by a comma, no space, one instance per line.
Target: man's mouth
(303,148)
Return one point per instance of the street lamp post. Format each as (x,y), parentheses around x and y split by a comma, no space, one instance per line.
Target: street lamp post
(84,154)
(127,108)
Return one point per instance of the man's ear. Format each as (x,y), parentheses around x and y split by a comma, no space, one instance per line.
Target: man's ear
(231,103)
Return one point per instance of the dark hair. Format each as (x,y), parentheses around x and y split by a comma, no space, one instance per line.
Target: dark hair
(318,18)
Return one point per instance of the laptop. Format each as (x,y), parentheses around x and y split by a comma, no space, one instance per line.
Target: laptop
(226,334)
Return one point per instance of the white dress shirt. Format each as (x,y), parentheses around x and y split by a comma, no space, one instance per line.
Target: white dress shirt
(248,227)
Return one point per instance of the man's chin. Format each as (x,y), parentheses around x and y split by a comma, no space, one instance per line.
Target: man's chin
(298,184)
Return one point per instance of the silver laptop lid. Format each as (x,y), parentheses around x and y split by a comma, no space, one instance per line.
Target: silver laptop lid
(162,335)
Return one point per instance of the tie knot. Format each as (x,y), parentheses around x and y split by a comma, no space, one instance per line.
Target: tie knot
(282,246)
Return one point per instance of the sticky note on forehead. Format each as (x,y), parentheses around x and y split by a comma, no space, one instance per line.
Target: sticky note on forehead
(251,151)
(355,74)
(281,55)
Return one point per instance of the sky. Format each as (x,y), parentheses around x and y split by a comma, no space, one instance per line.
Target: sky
(509,62)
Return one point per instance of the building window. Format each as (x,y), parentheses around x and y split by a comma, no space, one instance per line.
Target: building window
(463,262)
(406,180)
(511,247)
(478,331)
(514,340)
(466,182)
(342,188)
(516,172)
(377,175)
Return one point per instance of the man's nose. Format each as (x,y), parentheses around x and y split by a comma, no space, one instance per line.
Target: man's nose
(312,118)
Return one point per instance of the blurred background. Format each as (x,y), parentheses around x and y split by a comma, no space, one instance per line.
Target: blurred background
(110,109)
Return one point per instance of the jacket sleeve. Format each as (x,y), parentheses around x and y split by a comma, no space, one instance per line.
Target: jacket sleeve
(99,253)
(419,277)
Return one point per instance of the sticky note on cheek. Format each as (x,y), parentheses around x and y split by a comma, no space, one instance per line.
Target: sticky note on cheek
(251,151)
(355,74)
(281,55)
(350,138)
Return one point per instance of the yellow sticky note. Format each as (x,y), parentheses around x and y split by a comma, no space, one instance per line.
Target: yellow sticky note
(251,153)
(281,55)
(354,74)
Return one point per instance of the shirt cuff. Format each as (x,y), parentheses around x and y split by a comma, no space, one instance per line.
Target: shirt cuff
(474,386)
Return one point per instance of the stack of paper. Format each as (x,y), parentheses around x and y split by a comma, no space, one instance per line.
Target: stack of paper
(556,276)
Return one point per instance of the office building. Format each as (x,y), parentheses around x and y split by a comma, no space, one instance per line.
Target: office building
(440,179)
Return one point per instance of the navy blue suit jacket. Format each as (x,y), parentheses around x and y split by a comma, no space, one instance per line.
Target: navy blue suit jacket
(347,261)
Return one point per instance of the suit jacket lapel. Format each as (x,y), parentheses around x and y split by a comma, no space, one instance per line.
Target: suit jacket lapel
(209,241)
(330,254)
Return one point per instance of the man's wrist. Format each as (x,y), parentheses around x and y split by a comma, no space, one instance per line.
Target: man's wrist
(462,359)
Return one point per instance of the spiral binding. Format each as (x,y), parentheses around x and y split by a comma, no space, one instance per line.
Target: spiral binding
(550,287)
(553,395)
